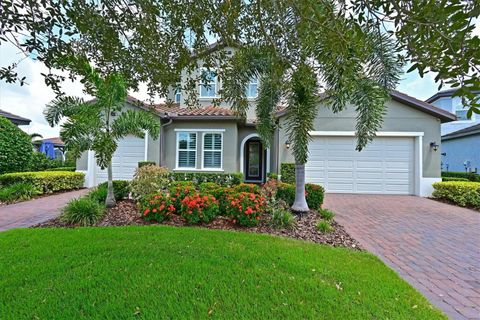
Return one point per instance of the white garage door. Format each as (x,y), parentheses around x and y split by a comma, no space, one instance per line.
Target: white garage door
(125,160)
(386,165)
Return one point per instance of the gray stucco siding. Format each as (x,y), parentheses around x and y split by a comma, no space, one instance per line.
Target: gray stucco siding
(398,118)
(460,150)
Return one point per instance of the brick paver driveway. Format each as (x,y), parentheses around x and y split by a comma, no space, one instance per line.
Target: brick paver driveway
(434,246)
(28,213)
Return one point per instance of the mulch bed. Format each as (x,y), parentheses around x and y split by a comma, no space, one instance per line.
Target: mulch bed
(125,213)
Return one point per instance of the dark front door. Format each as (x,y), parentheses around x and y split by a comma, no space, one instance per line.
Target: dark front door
(254,161)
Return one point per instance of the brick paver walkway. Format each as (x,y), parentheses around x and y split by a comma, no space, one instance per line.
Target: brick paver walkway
(28,213)
(432,245)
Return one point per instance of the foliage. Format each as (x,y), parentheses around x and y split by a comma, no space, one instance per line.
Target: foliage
(148,180)
(199,208)
(156,207)
(287,172)
(223,179)
(17,192)
(281,218)
(247,187)
(272,176)
(222,194)
(146,163)
(458,192)
(246,208)
(15,148)
(62,169)
(179,190)
(208,187)
(286,192)
(269,189)
(120,191)
(454,179)
(314,194)
(40,162)
(326,214)
(46,181)
(324,226)
(82,211)
(472,176)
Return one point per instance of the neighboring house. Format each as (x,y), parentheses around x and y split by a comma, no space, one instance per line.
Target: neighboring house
(461,150)
(403,159)
(17,120)
(58,145)
(446,101)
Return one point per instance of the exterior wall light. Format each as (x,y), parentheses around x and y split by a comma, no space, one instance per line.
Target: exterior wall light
(287,144)
(434,146)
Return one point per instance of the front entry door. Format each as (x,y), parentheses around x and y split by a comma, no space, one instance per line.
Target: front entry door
(254,161)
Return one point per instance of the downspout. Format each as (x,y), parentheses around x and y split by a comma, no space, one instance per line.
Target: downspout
(162,140)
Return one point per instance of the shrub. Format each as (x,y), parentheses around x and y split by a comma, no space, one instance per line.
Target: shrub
(272,176)
(281,218)
(459,192)
(148,180)
(223,179)
(146,163)
(120,191)
(199,208)
(179,190)
(324,226)
(15,148)
(17,192)
(247,187)
(83,211)
(246,208)
(40,162)
(286,192)
(208,187)
(471,176)
(222,194)
(287,172)
(314,195)
(61,169)
(326,214)
(46,181)
(270,188)
(156,207)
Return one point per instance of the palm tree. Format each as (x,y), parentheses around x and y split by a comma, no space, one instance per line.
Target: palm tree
(98,124)
(34,136)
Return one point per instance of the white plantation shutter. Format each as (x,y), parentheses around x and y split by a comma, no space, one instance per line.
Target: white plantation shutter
(187,149)
(212,150)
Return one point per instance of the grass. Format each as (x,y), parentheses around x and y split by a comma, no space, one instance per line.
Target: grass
(160,272)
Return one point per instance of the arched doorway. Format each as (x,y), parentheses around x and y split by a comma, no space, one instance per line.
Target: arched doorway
(254,159)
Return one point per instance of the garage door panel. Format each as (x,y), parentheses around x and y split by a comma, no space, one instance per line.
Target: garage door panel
(385,166)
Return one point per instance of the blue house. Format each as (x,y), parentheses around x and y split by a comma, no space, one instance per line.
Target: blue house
(461,150)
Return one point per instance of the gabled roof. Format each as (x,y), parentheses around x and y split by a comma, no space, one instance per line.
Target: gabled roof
(475,129)
(21,121)
(442,94)
(57,141)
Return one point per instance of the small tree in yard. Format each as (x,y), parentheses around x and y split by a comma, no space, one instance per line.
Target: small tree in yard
(98,124)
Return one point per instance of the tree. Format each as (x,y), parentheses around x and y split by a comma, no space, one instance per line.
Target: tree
(98,124)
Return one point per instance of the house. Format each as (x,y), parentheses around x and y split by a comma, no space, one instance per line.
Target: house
(461,150)
(403,159)
(58,145)
(445,100)
(17,120)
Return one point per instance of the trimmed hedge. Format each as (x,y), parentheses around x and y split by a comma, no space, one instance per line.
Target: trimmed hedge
(62,169)
(454,179)
(465,194)
(287,172)
(314,194)
(15,148)
(223,179)
(471,176)
(46,181)
(146,163)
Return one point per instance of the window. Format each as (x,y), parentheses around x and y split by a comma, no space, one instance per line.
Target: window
(460,110)
(252,88)
(178,94)
(212,150)
(208,88)
(186,150)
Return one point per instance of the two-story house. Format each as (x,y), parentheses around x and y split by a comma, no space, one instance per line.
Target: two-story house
(460,147)
(403,159)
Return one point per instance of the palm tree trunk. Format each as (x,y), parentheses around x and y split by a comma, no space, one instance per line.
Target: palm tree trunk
(300,204)
(110,201)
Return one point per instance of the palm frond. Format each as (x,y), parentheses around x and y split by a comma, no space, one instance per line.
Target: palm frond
(63,107)
(134,122)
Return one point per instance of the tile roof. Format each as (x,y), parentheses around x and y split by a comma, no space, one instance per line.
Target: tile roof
(57,141)
(210,111)
(14,118)
(475,129)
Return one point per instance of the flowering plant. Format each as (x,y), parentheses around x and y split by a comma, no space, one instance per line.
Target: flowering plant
(246,208)
(178,192)
(156,207)
(247,187)
(199,208)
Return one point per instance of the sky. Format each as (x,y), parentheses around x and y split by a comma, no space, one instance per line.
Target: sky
(30,100)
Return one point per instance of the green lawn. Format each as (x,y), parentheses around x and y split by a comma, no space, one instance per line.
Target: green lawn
(161,272)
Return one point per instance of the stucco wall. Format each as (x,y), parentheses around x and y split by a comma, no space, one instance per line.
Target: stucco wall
(82,162)
(460,150)
(398,118)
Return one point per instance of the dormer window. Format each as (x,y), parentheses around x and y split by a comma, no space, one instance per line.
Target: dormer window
(252,88)
(178,94)
(208,88)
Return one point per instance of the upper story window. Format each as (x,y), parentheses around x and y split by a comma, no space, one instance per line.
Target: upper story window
(459,110)
(252,88)
(212,150)
(208,88)
(178,94)
(186,150)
